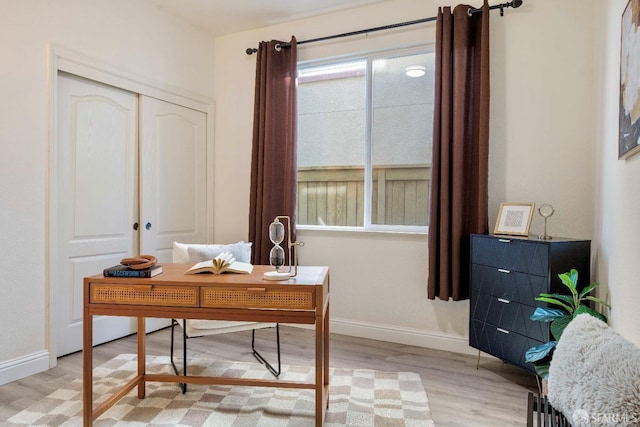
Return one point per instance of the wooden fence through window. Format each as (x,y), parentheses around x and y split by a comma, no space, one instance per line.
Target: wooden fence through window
(334,196)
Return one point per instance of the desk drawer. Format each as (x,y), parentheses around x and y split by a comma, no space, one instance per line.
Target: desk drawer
(144,295)
(257,298)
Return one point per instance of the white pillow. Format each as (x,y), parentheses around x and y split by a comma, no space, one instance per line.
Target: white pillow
(184,253)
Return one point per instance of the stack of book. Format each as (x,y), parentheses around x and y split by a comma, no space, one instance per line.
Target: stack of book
(124,271)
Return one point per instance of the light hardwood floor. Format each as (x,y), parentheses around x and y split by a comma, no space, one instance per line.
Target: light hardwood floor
(459,395)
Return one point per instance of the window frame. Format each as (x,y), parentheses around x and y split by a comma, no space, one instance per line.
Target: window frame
(369,57)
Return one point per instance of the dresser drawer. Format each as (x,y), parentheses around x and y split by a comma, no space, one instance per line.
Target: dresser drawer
(524,256)
(507,284)
(107,293)
(257,298)
(503,344)
(507,315)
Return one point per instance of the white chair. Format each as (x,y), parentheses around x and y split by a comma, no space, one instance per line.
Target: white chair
(193,328)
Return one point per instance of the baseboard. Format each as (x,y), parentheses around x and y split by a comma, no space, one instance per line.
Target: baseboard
(22,367)
(401,335)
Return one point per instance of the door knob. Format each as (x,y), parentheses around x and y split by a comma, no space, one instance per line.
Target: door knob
(135,226)
(148,226)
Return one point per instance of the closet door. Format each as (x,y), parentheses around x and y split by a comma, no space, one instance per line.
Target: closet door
(96,198)
(173,178)
(131,179)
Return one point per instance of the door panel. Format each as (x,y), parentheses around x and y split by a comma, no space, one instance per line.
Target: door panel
(96,172)
(172,180)
(173,176)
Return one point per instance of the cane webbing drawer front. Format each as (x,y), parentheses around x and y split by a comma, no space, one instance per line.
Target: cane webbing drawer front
(144,294)
(257,298)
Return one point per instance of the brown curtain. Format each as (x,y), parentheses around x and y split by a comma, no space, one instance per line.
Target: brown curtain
(459,182)
(273,156)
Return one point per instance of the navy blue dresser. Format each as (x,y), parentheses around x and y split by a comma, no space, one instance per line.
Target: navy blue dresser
(507,274)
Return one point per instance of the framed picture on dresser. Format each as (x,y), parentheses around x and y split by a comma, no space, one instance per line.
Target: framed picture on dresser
(514,219)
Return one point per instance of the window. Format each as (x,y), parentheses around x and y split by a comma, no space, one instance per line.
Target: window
(364,141)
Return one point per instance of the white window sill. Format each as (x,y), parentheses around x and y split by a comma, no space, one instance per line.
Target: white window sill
(418,231)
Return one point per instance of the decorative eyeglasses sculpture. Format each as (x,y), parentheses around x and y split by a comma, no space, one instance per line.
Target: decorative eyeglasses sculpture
(277,255)
(545,211)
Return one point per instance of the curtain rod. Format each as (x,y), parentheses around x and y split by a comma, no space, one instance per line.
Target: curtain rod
(514,4)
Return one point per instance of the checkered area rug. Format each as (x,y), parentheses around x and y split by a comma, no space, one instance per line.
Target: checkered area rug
(357,397)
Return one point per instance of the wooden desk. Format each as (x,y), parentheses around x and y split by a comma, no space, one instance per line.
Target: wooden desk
(303,299)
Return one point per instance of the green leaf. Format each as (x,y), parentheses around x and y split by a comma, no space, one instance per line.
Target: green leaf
(545,314)
(558,325)
(584,309)
(566,298)
(588,289)
(598,300)
(539,352)
(574,276)
(556,302)
(570,280)
(542,369)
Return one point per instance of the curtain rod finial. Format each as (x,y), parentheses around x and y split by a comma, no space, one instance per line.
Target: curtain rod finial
(516,3)
(251,50)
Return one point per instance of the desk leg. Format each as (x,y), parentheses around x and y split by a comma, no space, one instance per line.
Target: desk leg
(322,365)
(319,370)
(142,366)
(87,369)
(326,352)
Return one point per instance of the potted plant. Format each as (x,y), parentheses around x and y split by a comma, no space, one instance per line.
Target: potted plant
(565,308)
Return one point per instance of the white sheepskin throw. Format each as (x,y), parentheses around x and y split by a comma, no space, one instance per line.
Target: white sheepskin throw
(594,377)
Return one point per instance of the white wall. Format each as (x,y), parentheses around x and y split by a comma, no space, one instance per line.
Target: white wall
(128,35)
(617,228)
(542,150)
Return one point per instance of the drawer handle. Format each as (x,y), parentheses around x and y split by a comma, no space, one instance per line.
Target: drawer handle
(255,290)
(504,240)
(504,331)
(506,301)
(502,270)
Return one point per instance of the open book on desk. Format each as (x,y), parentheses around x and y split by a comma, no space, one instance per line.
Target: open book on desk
(223,263)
